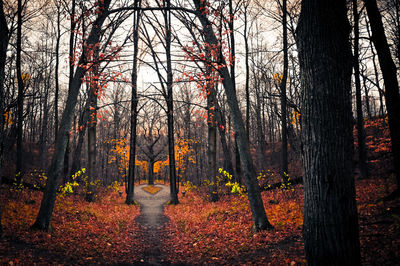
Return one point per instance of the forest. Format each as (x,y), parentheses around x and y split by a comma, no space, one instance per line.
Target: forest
(199,132)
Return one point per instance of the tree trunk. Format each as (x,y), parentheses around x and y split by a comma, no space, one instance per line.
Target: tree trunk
(377,84)
(20,98)
(212,130)
(330,212)
(247,84)
(257,207)
(232,64)
(261,145)
(362,149)
(170,107)
(57,86)
(66,160)
(3,55)
(43,134)
(82,124)
(389,73)
(134,113)
(46,208)
(151,172)
(284,166)
(92,125)
(224,145)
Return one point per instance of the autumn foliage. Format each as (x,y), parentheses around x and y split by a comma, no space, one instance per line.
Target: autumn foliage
(198,231)
(82,233)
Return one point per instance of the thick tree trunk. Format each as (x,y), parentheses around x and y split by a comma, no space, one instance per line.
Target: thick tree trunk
(389,73)
(257,207)
(3,55)
(47,205)
(330,213)
(362,149)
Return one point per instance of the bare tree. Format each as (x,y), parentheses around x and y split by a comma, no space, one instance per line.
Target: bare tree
(20,99)
(362,149)
(257,207)
(392,94)
(3,54)
(134,103)
(44,217)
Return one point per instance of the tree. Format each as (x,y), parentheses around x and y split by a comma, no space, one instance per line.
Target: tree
(20,98)
(57,66)
(330,213)
(257,207)
(212,126)
(164,35)
(284,168)
(3,55)
(134,103)
(362,149)
(170,104)
(46,208)
(151,143)
(82,125)
(389,72)
(94,85)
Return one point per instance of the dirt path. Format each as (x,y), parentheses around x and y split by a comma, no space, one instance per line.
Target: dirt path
(152,219)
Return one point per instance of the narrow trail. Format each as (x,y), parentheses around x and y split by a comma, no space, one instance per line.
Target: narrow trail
(152,219)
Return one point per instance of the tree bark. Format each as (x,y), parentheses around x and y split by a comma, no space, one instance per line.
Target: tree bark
(389,73)
(47,205)
(257,207)
(330,213)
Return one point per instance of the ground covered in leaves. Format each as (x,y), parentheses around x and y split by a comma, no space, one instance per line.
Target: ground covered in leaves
(83,233)
(201,232)
(198,231)
(222,233)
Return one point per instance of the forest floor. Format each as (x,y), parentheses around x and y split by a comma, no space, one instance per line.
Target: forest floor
(196,231)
